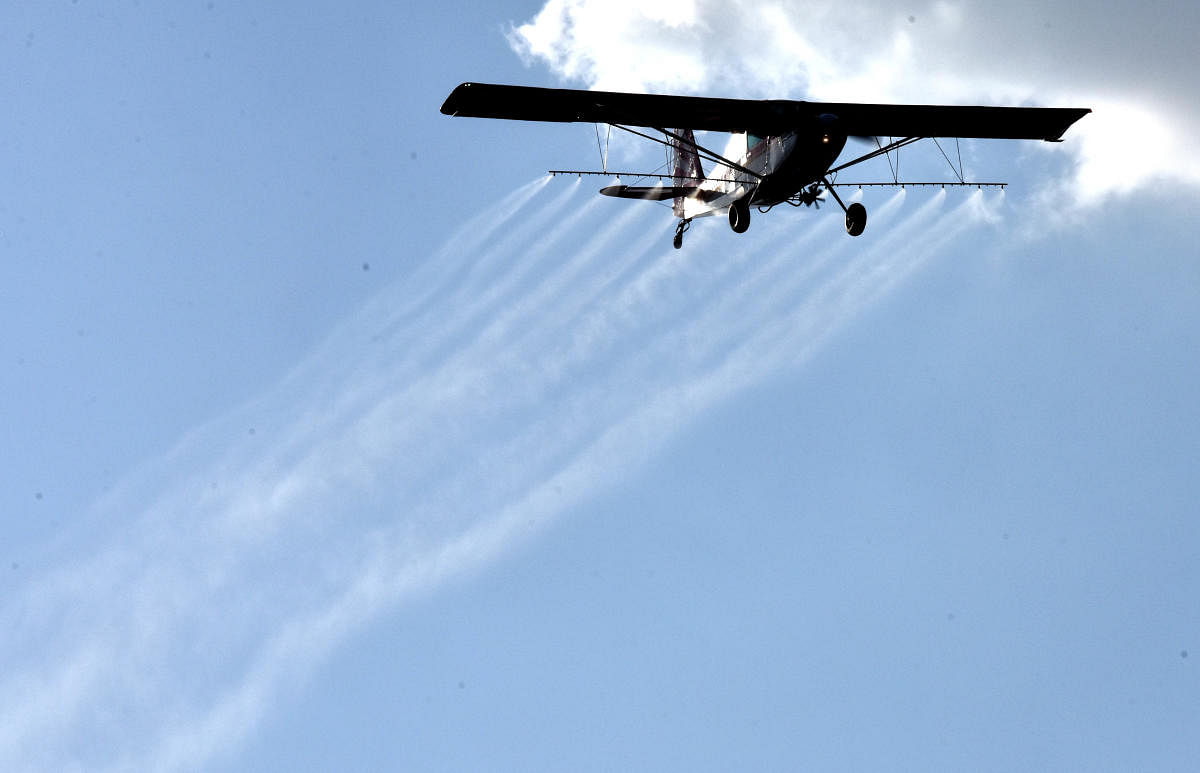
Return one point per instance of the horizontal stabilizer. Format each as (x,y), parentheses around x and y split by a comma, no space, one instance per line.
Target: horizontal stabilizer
(658,192)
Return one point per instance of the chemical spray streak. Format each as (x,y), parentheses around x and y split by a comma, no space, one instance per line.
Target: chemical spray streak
(452,418)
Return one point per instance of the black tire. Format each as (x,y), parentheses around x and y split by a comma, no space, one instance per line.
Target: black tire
(856,219)
(678,241)
(739,216)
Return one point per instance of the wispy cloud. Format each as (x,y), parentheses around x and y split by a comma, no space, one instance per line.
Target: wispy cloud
(1132,63)
(451,419)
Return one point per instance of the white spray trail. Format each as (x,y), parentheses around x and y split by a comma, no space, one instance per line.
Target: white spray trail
(447,422)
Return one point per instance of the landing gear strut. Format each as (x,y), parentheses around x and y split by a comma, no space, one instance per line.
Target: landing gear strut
(680,230)
(856,213)
(739,216)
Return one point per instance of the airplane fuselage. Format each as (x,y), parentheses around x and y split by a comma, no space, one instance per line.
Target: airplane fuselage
(782,165)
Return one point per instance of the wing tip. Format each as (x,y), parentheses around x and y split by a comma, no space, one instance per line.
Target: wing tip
(451,105)
(1075,114)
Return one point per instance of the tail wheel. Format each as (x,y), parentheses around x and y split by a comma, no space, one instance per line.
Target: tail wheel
(739,216)
(680,230)
(856,219)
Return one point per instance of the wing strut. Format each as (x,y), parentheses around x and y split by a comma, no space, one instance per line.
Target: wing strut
(603,146)
(896,145)
(888,148)
(708,154)
(958,171)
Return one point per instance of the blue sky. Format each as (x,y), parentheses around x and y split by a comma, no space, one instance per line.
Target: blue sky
(340,437)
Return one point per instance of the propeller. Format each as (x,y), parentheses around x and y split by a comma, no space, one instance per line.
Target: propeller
(812,196)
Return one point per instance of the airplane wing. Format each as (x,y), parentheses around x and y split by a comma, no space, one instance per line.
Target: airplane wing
(528,103)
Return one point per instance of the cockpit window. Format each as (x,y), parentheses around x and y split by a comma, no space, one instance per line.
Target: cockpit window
(752,140)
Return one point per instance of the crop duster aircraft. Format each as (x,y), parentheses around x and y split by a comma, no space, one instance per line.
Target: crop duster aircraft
(791,147)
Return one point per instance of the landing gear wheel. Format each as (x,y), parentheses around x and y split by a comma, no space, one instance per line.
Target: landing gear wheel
(856,219)
(679,232)
(739,216)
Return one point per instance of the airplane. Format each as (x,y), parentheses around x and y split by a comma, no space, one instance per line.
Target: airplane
(791,146)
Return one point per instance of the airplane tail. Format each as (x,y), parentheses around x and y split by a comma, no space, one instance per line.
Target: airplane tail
(688,172)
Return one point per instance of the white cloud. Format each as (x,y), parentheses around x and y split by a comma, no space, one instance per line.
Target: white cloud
(1133,63)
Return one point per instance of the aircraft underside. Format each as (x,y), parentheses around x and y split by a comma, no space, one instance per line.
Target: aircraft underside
(787,168)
